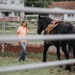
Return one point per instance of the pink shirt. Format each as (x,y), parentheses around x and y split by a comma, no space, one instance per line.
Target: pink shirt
(22,32)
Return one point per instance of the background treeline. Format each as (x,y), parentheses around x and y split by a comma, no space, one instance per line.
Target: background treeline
(41,3)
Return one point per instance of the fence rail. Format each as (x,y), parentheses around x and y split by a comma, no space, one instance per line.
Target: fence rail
(41,37)
(12,29)
(35,66)
(35,9)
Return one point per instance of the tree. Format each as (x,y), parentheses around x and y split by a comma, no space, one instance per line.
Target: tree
(37,3)
(41,3)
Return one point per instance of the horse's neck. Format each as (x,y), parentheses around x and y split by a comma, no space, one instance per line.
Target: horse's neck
(45,27)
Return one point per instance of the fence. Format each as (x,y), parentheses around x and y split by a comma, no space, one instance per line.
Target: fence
(36,37)
(7,27)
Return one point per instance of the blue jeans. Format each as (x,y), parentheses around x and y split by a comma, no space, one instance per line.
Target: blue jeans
(23,52)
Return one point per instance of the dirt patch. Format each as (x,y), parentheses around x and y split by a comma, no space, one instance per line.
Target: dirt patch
(31,48)
(16,48)
(35,48)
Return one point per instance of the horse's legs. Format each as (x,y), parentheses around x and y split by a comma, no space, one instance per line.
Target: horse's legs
(74,51)
(58,52)
(74,54)
(65,52)
(73,46)
(70,44)
(46,46)
(66,55)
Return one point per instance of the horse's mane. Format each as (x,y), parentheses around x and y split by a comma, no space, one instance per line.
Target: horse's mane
(44,18)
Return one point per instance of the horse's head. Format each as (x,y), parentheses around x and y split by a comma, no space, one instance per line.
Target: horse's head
(43,23)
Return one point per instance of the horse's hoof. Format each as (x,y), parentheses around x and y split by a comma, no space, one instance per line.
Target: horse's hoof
(69,69)
(74,68)
(44,60)
(60,66)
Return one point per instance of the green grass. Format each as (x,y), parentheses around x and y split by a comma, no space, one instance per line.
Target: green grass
(33,58)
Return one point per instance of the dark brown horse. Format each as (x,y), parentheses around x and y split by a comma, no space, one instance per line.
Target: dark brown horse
(61,28)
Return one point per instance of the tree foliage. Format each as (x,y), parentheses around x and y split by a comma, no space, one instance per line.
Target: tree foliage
(37,3)
(40,3)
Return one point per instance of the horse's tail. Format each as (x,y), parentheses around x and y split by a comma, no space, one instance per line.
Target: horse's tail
(70,45)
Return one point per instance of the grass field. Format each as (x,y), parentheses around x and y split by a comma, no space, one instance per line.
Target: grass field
(33,58)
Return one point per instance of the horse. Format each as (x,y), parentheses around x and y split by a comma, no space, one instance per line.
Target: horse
(61,28)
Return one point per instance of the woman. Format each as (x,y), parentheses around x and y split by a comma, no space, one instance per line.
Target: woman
(22,32)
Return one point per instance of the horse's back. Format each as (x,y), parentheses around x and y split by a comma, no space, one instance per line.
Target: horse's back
(64,28)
